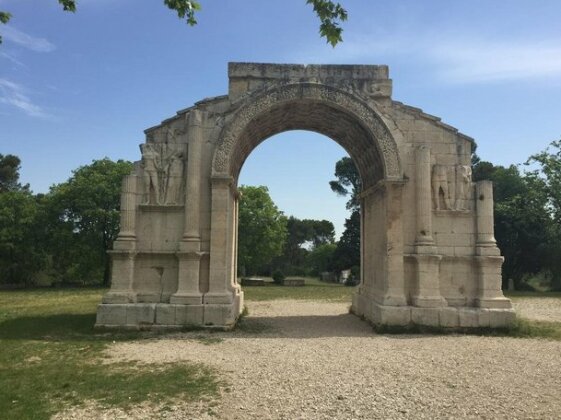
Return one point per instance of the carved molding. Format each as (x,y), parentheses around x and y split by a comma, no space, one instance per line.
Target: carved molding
(259,104)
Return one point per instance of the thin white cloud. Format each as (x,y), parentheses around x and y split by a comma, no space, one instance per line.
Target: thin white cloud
(497,62)
(454,60)
(12,59)
(11,34)
(14,95)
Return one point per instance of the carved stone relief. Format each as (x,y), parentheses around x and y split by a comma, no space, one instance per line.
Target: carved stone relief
(451,187)
(163,173)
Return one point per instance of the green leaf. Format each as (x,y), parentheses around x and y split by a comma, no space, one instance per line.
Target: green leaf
(5,17)
(68,5)
(330,15)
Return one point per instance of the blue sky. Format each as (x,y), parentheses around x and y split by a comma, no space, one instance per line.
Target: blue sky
(77,87)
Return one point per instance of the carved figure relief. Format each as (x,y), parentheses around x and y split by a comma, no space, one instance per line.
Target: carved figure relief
(174,177)
(463,187)
(151,165)
(451,187)
(440,191)
(163,166)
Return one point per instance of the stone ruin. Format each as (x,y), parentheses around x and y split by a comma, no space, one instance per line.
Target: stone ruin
(428,252)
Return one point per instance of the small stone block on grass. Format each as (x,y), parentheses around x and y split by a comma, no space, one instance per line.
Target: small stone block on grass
(253,282)
(293,282)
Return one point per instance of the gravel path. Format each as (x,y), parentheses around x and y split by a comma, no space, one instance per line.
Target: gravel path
(540,309)
(311,360)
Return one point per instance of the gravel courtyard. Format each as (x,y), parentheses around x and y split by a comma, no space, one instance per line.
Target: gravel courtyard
(312,360)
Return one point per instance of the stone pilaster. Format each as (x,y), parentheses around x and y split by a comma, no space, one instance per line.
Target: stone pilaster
(424,242)
(394,289)
(488,259)
(486,244)
(189,253)
(427,292)
(221,234)
(122,277)
(128,209)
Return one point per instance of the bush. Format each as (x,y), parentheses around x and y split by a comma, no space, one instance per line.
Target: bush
(278,276)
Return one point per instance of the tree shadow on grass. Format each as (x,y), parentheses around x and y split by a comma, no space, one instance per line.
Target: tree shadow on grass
(58,327)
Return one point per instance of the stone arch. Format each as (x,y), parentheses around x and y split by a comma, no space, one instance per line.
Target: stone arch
(174,261)
(324,109)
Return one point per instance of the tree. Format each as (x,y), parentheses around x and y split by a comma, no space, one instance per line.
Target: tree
(320,258)
(347,254)
(348,183)
(261,229)
(302,235)
(21,253)
(548,177)
(82,220)
(330,14)
(9,173)
(521,219)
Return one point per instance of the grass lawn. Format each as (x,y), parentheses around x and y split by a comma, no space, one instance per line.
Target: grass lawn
(313,290)
(51,358)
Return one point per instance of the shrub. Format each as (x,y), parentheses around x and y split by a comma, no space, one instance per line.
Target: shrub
(278,276)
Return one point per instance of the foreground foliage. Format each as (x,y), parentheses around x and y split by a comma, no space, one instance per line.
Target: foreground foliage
(330,14)
(51,359)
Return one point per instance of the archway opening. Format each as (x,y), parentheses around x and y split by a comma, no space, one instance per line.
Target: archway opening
(316,239)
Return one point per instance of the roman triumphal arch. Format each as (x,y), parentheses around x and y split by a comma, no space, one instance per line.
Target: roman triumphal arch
(428,254)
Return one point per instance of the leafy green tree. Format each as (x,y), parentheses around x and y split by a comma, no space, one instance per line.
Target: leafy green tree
(347,253)
(548,177)
(348,183)
(21,253)
(261,229)
(330,14)
(9,173)
(82,218)
(320,258)
(303,234)
(521,219)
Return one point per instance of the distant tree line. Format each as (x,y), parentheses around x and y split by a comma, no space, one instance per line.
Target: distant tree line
(61,237)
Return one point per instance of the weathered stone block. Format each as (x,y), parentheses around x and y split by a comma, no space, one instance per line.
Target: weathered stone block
(391,315)
(500,318)
(141,314)
(111,315)
(165,314)
(425,316)
(219,315)
(468,317)
(449,317)
(188,315)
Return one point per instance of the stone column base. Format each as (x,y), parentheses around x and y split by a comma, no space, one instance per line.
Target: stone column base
(153,316)
(444,317)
